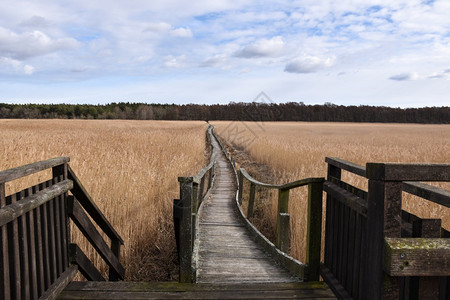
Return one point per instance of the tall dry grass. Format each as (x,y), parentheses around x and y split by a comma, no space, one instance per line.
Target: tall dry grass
(295,150)
(130,168)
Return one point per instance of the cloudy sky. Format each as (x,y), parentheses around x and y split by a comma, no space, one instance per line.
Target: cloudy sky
(350,52)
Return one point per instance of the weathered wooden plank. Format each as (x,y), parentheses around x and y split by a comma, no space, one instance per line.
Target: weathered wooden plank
(346,165)
(23,246)
(429,192)
(251,200)
(283,230)
(16,209)
(4,254)
(15,173)
(90,232)
(384,220)
(115,248)
(350,250)
(416,257)
(349,199)
(314,230)
(85,266)
(14,250)
(186,273)
(228,252)
(92,209)
(333,283)
(408,172)
(58,286)
(45,240)
(51,240)
(179,287)
(168,290)
(38,244)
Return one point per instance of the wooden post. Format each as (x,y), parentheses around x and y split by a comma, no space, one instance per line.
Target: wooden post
(195,204)
(283,208)
(186,187)
(283,236)
(251,200)
(115,248)
(425,287)
(241,186)
(335,172)
(4,257)
(314,230)
(383,220)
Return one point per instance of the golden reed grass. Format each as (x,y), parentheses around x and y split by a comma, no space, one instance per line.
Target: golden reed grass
(295,150)
(130,168)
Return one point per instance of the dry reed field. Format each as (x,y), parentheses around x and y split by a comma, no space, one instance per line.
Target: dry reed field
(130,168)
(295,150)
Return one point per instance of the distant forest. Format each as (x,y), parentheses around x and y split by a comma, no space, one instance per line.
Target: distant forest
(291,111)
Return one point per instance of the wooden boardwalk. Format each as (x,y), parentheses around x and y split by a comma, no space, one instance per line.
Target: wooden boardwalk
(227,251)
(230,264)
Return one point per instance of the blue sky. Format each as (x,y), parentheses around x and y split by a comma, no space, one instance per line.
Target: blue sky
(349,52)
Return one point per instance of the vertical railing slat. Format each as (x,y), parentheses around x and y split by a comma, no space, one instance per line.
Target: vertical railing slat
(251,200)
(45,242)
(14,258)
(186,187)
(314,229)
(23,246)
(4,254)
(282,227)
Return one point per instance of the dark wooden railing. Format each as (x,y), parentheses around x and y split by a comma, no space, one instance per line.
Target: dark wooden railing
(37,259)
(314,217)
(193,190)
(373,248)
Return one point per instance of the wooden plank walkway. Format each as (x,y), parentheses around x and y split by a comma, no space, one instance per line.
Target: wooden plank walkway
(227,251)
(170,290)
(230,263)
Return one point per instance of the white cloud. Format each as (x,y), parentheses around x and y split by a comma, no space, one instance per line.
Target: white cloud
(35,22)
(29,44)
(16,65)
(171,61)
(308,64)
(213,62)
(28,69)
(405,76)
(262,48)
(181,32)
(160,27)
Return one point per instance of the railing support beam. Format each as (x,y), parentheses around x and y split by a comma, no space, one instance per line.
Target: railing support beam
(186,232)
(283,228)
(251,200)
(314,230)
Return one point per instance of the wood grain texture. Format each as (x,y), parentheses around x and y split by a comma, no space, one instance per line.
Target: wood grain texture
(169,290)
(227,251)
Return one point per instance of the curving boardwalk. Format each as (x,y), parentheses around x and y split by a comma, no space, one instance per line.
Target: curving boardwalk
(227,251)
(230,264)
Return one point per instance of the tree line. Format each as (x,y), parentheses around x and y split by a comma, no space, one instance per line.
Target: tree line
(233,111)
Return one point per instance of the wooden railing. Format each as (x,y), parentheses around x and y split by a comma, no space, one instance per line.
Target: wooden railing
(374,249)
(37,259)
(314,213)
(186,210)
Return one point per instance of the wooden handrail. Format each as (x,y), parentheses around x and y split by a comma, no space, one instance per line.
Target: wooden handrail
(287,186)
(19,172)
(19,208)
(314,216)
(186,219)
(370,231)
(429,192)
(346,165)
